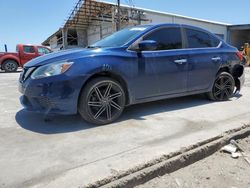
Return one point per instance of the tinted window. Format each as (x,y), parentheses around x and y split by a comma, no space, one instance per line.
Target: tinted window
(167,38)
(198,39)
(215,41)
(29,49)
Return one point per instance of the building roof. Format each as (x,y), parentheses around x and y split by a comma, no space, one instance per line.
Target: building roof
(46,42)
(240,27)
(166,13)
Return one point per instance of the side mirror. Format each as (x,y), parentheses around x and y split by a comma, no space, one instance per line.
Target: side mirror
(148,45)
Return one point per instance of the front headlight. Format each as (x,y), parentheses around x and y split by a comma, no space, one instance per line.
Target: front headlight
(51,69)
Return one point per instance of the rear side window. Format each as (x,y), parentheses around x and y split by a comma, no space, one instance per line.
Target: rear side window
(42,50)
(215,41)
(28,49)
(198,39)
(167,38)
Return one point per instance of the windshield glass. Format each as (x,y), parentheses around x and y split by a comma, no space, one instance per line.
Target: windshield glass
(121,37)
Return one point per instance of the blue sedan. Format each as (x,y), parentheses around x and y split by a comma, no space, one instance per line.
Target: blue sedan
(135,65)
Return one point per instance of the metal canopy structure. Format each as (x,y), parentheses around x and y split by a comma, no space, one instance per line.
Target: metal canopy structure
(94,14)
(86,12)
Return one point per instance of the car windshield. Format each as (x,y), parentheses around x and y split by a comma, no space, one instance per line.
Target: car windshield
(120,38)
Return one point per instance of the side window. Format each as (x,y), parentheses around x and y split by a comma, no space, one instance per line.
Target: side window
(28,49)
(41,50)
(215,41)
(47,51)
(166,38)
(198,39)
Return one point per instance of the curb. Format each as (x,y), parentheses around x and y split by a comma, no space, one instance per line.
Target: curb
(171,162)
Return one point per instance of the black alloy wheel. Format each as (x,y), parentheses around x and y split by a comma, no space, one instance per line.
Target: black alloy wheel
(102,101)
(10,66)
(223,88)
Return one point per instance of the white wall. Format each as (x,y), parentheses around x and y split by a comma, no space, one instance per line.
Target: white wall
(163,18)
(53,42)
(94,32)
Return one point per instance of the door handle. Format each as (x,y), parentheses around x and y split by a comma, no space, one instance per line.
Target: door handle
(180,61)
(216,59)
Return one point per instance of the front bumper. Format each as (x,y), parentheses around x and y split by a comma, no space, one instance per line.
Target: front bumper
(52,95)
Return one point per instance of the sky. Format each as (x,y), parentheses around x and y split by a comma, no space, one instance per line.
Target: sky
(32,21)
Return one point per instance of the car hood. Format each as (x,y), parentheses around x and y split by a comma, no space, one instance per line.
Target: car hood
(65,55)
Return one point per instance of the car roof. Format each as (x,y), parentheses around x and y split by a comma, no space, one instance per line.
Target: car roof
(153,25)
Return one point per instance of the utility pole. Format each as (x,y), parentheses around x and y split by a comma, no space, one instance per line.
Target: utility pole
(118,24)
(139,17)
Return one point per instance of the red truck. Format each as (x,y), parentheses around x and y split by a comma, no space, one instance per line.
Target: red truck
(9,62)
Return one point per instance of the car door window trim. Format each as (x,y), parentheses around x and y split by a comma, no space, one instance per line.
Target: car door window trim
(184,41)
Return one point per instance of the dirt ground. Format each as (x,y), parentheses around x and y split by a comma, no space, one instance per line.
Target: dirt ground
(218,170)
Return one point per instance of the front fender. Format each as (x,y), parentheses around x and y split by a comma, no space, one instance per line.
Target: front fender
(9,57)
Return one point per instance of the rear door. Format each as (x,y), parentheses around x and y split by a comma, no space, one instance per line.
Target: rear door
(203,58)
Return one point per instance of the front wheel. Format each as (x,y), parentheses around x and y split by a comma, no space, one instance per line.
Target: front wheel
(223,87)
(102,101)
(10,66)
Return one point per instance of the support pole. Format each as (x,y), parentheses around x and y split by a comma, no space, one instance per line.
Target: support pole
(65,38)
(118,25)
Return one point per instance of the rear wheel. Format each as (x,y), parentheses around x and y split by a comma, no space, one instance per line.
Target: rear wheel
(223,87)
(102,101)
(10,66)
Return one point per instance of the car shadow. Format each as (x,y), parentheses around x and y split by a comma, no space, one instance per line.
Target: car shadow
(3,72)
(140,111)
(52,124)
(71,123)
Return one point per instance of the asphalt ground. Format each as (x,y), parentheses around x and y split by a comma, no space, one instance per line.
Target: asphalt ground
(68,152)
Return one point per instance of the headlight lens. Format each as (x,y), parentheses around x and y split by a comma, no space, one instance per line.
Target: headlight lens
(51,69)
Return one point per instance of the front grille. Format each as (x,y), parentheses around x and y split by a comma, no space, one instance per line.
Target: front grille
(26,73)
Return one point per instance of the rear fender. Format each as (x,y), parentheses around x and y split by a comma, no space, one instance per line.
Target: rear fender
(238,75)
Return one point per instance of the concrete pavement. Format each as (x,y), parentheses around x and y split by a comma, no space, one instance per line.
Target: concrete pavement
(68,152)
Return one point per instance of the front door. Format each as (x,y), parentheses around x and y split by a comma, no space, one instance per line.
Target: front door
(164,70)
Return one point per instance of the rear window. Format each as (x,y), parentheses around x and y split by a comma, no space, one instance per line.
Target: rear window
(28,49)
(198,39)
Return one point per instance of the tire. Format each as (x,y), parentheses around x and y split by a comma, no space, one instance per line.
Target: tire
(10,66)
(102,101)
(223,87)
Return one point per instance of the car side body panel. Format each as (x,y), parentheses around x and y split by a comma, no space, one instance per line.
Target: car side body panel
(147,76)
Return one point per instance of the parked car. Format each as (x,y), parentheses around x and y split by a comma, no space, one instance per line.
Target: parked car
(9,62)
(135,65)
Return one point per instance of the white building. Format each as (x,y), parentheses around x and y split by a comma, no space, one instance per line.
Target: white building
(92,20)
